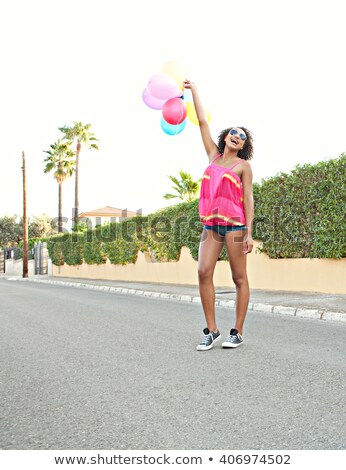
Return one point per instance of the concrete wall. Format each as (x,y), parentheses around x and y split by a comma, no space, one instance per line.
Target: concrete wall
(15,267)
(302,275)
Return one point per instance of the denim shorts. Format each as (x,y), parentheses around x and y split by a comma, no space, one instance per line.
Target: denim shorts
(223,229)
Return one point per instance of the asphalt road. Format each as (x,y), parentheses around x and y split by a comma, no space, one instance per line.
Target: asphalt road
(85,369)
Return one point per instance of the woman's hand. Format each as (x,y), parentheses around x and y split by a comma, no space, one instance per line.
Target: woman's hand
(247,245)
(189,85)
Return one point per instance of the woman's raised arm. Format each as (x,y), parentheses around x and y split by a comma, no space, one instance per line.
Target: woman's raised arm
(209,145)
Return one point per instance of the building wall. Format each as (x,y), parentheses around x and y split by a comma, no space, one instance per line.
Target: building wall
(302,275)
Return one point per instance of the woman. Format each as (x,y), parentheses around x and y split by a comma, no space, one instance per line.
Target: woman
(226,210)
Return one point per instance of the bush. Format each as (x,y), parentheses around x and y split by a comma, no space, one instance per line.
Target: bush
(302,214)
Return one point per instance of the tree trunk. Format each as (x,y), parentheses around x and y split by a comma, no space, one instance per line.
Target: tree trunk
(25,223)
(60,209)
(76,201)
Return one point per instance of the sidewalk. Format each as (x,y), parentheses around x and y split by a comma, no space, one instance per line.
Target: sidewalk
(300,304)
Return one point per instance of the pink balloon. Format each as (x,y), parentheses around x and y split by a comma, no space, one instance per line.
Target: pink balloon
(163,87)
(151,101)
(174,111)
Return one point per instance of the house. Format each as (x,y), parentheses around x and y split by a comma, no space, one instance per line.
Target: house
(105,215)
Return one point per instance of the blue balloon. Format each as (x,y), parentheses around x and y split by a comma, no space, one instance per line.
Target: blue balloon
(187,96)
(172,129)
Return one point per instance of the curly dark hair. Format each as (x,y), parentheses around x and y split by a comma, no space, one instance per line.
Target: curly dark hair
(246,153)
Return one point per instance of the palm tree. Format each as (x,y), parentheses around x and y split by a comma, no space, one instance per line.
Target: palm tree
(80,134)
(186,188)
(61,160)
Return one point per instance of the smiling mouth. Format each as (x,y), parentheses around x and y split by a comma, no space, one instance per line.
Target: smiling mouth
(234,141)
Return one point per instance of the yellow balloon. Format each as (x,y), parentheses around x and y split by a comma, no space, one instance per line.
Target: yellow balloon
(191,113)
(174,70)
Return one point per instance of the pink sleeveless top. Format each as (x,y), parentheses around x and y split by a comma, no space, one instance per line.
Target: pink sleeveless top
(221,197)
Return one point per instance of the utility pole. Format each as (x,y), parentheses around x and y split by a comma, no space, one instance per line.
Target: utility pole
(25,222)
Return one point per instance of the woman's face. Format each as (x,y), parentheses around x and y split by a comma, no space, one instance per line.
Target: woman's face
(236,138)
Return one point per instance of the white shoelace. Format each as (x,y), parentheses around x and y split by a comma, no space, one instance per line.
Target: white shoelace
(205,339)
(231,338)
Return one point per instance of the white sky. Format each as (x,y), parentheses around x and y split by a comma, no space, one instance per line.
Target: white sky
(276,67)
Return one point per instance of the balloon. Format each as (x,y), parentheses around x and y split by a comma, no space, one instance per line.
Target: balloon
(163,87)
(170,129)
(187,96)
(174,70)
(191,113)
(174,111)
(151,101)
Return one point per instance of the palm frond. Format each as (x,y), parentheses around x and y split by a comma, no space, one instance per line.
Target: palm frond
(60,158)
(186,188)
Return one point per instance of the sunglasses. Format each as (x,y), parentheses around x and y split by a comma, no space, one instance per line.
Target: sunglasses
(235,132)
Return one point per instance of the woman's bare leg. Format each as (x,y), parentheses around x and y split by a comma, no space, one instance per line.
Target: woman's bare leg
(209,250)
(237,260)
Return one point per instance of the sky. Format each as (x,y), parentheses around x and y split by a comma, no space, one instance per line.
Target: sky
(275,67)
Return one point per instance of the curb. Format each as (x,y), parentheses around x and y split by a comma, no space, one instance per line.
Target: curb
(257,307)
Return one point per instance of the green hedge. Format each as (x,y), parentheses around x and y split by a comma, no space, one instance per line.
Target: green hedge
(300,214)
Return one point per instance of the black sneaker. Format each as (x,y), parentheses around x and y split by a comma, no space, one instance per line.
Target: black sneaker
(210,337)
(234,339)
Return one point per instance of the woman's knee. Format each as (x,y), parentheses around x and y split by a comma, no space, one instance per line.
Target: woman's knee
(205,273)
(240,279)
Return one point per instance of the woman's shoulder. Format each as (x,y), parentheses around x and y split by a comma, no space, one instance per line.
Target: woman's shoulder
(246,170)
(245,162)
(243,165)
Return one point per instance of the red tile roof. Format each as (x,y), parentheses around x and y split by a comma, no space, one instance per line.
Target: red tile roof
(108,211)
